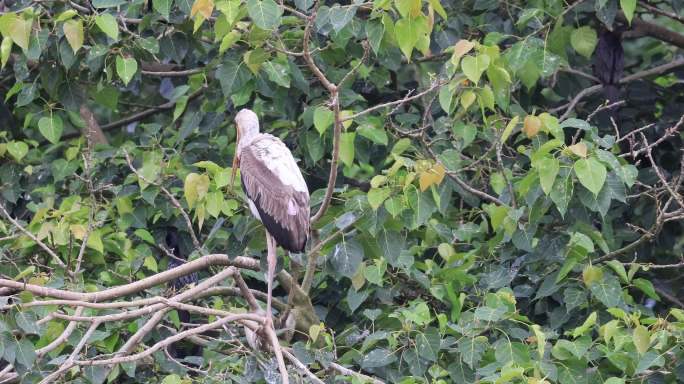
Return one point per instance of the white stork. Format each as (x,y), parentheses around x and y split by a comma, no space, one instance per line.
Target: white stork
(275,189)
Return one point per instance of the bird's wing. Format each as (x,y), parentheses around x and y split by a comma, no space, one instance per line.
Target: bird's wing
(274,183)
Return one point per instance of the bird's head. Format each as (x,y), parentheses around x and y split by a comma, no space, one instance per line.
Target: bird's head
(246,126)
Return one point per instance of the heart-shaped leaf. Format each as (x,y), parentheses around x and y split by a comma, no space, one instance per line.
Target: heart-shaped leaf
(126,68)
(473,67)
(73,31)
(583,40)
(107,24)
(591,173)
(18,149)
(323,119)
(264,13)
(51,128)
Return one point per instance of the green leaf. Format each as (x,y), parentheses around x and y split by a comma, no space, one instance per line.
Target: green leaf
(408,31)
(347,148)
(228,40)
(591,173)
(438,8)
(278,73)
(126,68)
(378,358)
(427,344)
(18,149)
(586,326)
(214,203)
(25,353)
(584,40)
(377,136)
(376,196)
(144,235)
(264,13)
(95,241)
(548,168)
(374,32)
(408,8)
(51,128)
(467,99)
(179,108)
(628,7)
(650,359)
(107,24)
(163,7)
(608,291)
(73,30)
(467,132)
(323,119)
(66,15)
(5,50)
(172,379)
(646,287)
(347,257)
(642,339)
(474,67)
(107,3)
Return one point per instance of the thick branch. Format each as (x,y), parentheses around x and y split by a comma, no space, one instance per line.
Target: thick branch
(654,30)
(140,285)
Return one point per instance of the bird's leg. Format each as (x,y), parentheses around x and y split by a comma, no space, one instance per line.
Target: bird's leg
(271,259)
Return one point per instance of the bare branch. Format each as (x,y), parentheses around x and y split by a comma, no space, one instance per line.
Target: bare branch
(172,339)
(435,85)
(140,285)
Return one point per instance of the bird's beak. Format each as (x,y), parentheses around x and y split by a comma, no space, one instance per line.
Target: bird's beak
(236,159)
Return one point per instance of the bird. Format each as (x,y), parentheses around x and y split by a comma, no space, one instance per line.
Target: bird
(276,192)
(609,62)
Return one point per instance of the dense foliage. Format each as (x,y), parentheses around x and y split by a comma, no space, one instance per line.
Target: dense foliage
(490,216)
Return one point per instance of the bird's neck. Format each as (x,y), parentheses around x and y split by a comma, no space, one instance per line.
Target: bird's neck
(247,140)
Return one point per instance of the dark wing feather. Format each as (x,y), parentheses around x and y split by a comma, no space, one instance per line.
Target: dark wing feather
(272,180)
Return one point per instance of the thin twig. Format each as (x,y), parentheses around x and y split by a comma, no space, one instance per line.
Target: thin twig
(179,73)
(435,85)
(47,249)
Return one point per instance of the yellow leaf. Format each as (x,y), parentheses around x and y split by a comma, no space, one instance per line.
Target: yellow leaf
(591,274)
(432,176)
(73,30)
(20,31)
(579,149)
(78,230)
(203,7)
(195,188)
(531,126)
(359,279)
(460,49)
